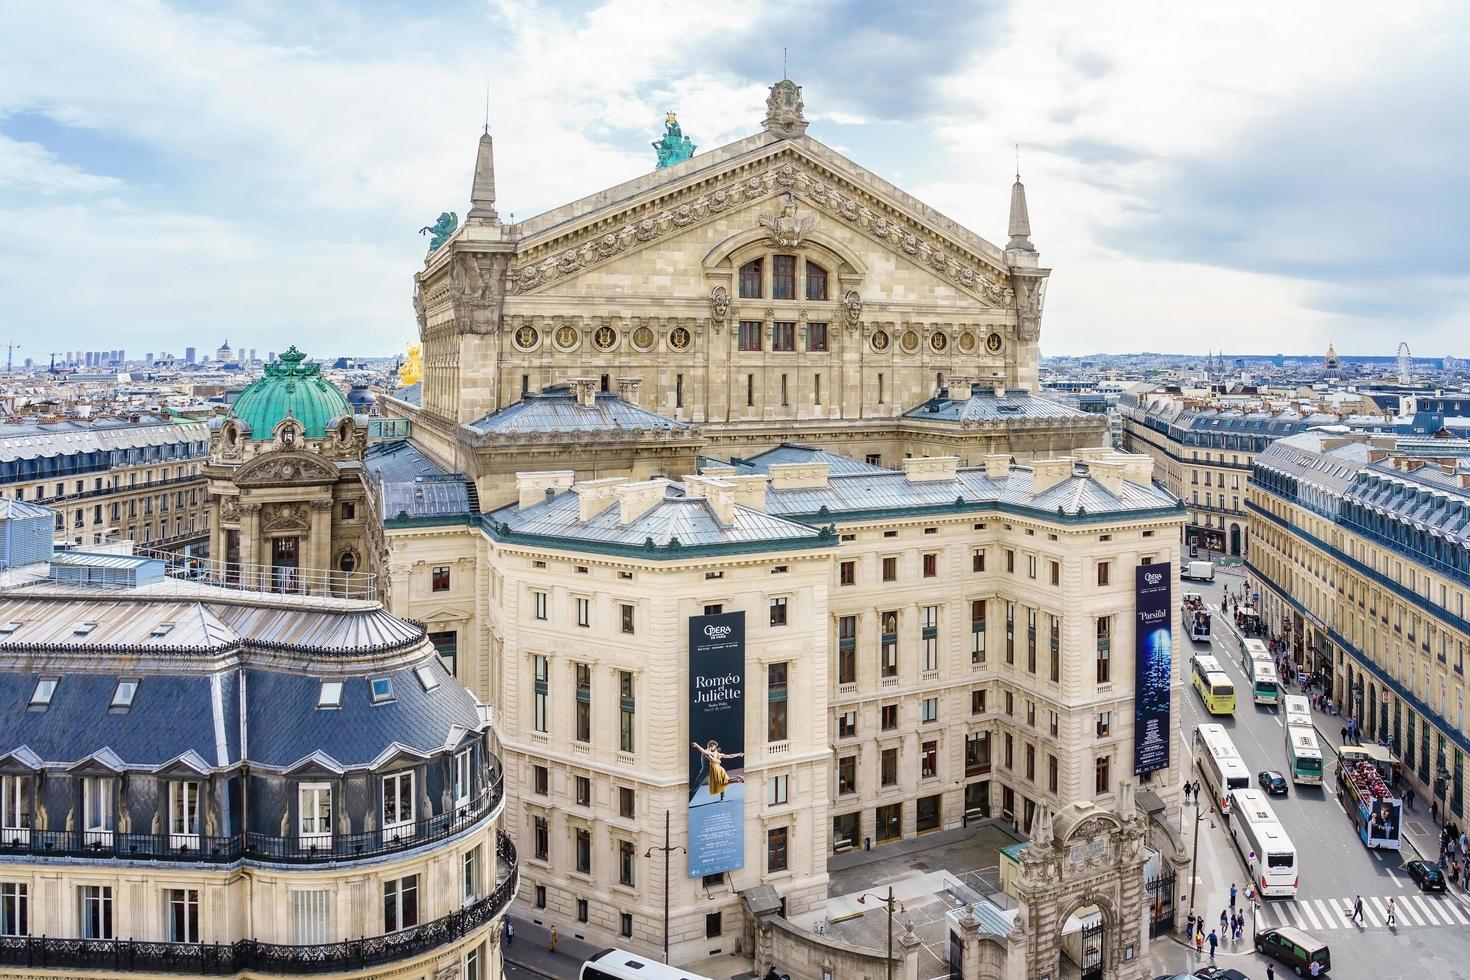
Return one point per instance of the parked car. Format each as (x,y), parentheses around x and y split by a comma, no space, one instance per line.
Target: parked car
(1219,973)
(1295,949)
(1426,875)
(1272,782)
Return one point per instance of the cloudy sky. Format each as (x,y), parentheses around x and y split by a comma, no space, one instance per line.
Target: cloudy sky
(1253,176)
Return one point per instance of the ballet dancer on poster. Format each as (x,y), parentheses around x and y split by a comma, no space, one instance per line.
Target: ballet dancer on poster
(718,779)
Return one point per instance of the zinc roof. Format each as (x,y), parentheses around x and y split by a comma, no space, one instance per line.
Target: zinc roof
(412,484)
(556,410)
(34,441)
(985,406)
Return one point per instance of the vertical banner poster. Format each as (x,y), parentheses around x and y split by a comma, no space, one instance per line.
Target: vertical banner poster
(717,743)
(1153,638)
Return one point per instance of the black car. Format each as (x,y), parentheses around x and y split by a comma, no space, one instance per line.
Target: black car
(1426,875)
(1219,973)
(1272,782)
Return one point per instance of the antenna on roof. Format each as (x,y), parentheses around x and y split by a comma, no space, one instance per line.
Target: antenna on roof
(487,107)
(1018,161)
(784,74)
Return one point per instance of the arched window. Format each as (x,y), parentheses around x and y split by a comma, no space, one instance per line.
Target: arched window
(348,562)
(750,280)
(816,281)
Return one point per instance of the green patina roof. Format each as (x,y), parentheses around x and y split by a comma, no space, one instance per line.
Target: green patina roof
(290,387)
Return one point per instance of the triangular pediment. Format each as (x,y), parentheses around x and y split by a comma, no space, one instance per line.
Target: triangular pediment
(798,178)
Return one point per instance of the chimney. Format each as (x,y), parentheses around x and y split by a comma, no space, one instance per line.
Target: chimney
(532,487)
(1000,391)
(585,389)
(750,490)
(798,476)
(997,466)
(628,389)
(637,499)
(1047,473)
(1138,468)
(594,496)
(959,389)
(928,469)
(1089,454)
(719,469)
(1108,474)
(719,493)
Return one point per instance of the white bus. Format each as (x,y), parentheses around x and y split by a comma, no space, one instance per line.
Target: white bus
(1265,684)
(1297,710)
(1252,650)
(619,964)
(1256,831)
(1218,761)
(1303,755)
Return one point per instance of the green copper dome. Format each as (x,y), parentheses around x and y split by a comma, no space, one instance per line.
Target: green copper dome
(290,387)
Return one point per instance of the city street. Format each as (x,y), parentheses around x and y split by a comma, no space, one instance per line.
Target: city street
(1431,938)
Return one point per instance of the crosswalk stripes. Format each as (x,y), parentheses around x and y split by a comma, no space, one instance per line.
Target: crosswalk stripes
(1320,914)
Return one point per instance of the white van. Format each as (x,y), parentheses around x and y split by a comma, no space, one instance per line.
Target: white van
(1198,571)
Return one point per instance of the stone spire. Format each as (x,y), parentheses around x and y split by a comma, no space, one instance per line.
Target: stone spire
(1020,230)
(482,191)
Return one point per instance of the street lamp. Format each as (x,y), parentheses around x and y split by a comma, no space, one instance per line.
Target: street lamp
(1200,814)
(666,849)
(890,902)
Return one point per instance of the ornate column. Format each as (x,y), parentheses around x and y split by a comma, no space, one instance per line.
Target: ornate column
(320,544)
(250,560)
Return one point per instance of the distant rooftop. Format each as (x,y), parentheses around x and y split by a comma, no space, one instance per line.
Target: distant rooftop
(985,405)
(413,485)
(563,409)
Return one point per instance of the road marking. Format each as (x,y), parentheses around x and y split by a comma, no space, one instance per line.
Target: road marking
(1379,908)
(1397,883)
(1426,909)
(1305,909)
(1368,915)
(1452,907)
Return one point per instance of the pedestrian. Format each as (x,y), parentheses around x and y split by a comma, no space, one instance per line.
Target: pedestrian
(1344,734)
(1232,896)
(510,932)
(1214,941)
(1316,969)
(554,940)
(1199,942)
(1392,913)
(1189,925)
(1186,792)
(1357,908)
(1434,809)
(1224,922)
(1196,791)
(1270,971)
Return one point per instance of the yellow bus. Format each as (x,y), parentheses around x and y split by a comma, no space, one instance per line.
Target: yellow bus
(1214,687)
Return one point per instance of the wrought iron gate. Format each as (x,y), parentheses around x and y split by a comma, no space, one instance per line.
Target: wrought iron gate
(1093,948)
(1161,905)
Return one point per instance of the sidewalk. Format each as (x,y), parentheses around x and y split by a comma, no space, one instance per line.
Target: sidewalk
(529,951)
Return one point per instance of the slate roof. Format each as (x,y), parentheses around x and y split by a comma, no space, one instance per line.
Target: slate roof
(1305,457)
(866,493)
(790,452)
(20,510)
(413,394)
(556,410)
(985,407)
(692,521)
(412,484)
(39,440)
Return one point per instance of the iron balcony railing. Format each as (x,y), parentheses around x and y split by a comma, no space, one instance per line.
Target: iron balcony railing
(227,959)
(298,849)
(283,579)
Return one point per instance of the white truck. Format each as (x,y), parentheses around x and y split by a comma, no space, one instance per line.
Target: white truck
(1198,571)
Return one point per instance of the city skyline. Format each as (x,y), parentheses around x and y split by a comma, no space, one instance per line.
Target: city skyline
(268,174)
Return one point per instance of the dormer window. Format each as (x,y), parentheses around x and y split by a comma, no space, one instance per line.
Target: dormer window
(330,695)
(122,695)
(427,678)
(45,689)
(382,688)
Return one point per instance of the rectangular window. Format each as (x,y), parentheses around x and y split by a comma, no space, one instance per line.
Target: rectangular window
(778,611)
(446,644)
(1104,723)
(816,282)
(1053,774)
(977,560)
(783,277)
(439,581)
(627,801)
(888,768)
(777,789)
(1102,778)
(15,809)
(889,822)
(888,646)
(929,638)
(314,812)
(929,759)
(1056,650)
(626,612)
(847,573)
(714,925)
(15,912)
(977,631)
(776,678)
(890,569)
(582,674)
(183,915)
(928,710)
(462,760)
(846,775)
(475,964)
(400,903)
(584,850)
(783,336)
(977,701)
(97,808)
(816,337)
(847,724)
(540,692)
(1104,649)
(1031,640)
(750,339)
(888,717)
(183,814)
(776,849)
(584,611)
(1030,762)
(309,917)
(539,601)
(1056,573)
(931,565)
(540,839)
(1104,571)
(627,707)
(1010,633)
(977,754)
(750,280)
(398,802)
(625,863)
(96,911)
